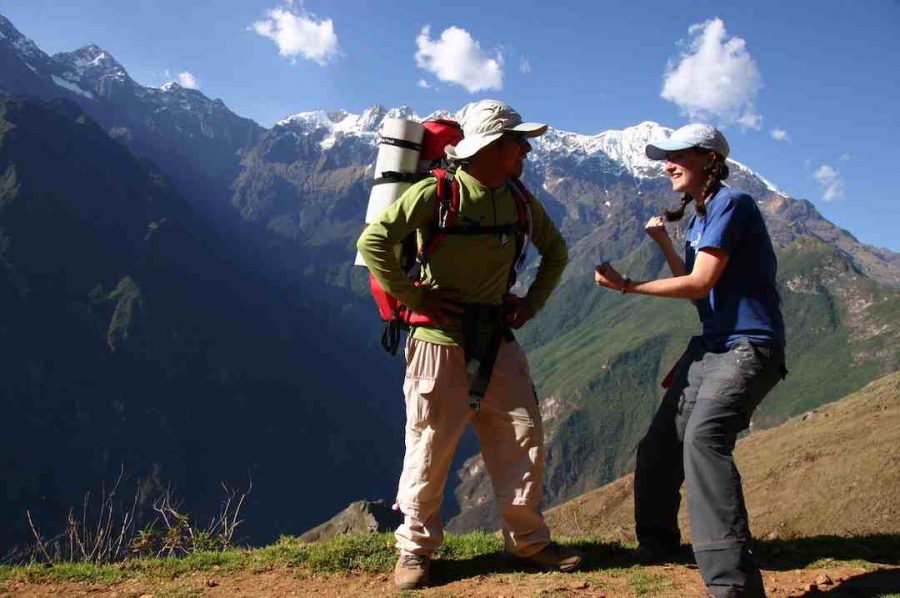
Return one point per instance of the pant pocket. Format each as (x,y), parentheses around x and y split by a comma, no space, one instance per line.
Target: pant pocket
(418,394)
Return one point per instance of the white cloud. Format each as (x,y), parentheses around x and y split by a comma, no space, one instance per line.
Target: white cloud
(423,84)
(750,120)
(186,79)
(715,77)
(456,57)
(298,33)
(525,66)
(845,157)
(780,135)
(830,180)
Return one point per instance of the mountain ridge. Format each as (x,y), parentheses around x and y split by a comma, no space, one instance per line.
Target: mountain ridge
(95,72)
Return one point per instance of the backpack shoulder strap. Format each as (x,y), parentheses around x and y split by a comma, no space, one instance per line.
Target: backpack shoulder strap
(523,199)
(446,210)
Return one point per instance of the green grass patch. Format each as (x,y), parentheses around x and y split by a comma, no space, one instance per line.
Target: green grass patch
(647,583)
(468,546)
(366,553)
(350,553)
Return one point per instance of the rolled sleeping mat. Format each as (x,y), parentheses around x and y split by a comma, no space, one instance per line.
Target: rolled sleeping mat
(398,154)
(399,146)
(381,197)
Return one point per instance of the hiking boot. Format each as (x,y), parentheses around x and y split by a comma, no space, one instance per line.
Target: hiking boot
(555,557)
(411,571)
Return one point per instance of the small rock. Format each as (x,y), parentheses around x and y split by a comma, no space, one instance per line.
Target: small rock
(824,580)
(146,596)
(579,585)
(211,583)
(811,587)
(382,578)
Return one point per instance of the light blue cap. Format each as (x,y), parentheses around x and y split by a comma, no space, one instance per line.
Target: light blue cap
(692,135)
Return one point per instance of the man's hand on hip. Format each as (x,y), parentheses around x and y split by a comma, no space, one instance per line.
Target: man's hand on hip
(440,304)
(518,311)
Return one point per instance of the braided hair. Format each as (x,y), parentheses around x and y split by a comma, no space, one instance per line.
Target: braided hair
(716,172)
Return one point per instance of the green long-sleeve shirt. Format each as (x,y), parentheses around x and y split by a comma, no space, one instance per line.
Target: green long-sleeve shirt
(475,266)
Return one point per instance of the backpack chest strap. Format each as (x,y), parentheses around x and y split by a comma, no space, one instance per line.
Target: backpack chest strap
(478,229)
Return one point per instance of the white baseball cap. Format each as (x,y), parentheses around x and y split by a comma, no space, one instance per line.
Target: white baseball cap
(486,121)
(692,135)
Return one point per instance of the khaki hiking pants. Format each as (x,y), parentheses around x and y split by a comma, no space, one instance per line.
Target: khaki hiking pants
(510,432)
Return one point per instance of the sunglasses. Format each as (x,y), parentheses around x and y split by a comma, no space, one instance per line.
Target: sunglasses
(520,138)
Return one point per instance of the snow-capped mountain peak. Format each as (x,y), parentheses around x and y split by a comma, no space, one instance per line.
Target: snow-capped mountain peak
(337,124)
(625,147)
(90,62)
(620,150)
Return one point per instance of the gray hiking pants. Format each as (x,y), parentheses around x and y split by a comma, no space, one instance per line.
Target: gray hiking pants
(691,438)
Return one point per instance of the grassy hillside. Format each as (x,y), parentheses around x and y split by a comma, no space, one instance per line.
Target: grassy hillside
(833,471)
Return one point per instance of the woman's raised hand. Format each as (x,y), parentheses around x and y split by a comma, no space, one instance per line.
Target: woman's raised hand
(656,228)
(606,276)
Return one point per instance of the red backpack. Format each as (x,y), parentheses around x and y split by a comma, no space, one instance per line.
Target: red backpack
(439,134)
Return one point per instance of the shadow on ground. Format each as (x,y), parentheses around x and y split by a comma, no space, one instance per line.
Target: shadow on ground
(778,555)
(867,585)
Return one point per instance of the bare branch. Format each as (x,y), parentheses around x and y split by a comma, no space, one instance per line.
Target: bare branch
(37,537)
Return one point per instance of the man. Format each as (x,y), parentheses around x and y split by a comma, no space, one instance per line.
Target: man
(470,274)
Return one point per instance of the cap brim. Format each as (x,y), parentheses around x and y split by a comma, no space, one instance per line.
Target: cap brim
(659,151)
(470,146)
(530,129)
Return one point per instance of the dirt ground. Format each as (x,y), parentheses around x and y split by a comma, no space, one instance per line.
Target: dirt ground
(664,581)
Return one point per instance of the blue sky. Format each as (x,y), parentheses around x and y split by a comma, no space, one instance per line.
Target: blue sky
(823,73)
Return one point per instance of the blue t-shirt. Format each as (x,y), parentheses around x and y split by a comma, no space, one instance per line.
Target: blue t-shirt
(745,301)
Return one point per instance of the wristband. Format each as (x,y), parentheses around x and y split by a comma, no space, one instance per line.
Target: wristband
(625,284)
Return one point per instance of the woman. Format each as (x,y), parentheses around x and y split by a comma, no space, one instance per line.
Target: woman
(729,273)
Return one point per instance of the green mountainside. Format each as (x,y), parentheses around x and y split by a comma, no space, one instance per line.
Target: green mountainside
(132,336)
